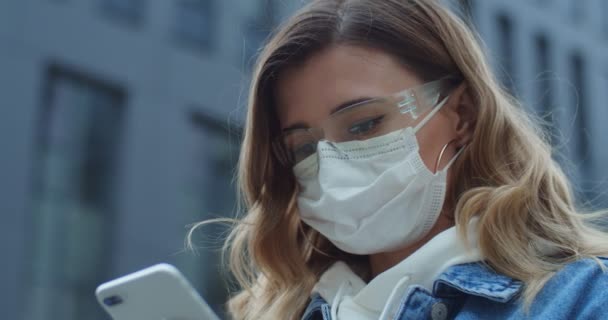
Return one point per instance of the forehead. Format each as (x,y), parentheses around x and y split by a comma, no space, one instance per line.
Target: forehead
(307,93)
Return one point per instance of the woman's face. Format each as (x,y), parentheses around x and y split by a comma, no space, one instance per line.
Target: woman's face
(307,94)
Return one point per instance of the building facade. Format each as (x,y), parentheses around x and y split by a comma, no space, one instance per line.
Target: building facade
(120,126)
(553,55)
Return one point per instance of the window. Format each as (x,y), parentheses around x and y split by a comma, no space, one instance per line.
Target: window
(579,107)
(194,23)
(577,10)
(73,205)
(466,8)
(604,15)
(256,30)
(579,145)
(545,85)
(210,193)
(254,36)
(506,51)
(128,11)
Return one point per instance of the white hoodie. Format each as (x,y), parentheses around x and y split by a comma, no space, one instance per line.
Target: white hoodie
(351,298)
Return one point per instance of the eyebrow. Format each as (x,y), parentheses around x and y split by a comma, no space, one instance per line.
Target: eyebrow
(303,125)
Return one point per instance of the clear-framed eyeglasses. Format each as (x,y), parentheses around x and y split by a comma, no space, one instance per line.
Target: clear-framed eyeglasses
(361,121)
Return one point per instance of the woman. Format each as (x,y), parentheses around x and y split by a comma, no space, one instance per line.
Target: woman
(387,175)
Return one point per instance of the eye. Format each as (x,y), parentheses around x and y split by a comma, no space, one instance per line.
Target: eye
(365,127)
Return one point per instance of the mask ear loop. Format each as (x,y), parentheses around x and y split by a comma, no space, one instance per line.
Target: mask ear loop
(458,153)
(440,157)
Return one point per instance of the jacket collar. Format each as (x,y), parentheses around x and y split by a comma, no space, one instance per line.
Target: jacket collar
(476,279)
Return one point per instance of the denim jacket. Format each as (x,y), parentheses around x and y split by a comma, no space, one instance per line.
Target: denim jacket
(473,291)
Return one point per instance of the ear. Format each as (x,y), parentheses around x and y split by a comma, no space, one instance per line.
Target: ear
(462,113)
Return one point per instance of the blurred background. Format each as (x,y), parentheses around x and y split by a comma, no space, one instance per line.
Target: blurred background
(120,125)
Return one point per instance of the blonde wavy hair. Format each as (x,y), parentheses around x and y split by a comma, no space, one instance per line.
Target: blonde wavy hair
(528,224)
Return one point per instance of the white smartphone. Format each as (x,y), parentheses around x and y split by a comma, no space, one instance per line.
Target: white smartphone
(159,292)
